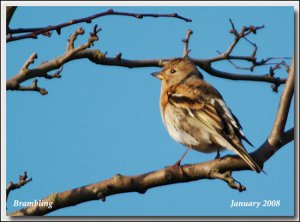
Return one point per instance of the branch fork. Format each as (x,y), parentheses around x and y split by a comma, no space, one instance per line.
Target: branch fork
(42,70)
(29,61)
(226,177)
(23,180)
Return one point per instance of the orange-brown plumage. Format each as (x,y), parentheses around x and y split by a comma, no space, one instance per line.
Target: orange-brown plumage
(195,114)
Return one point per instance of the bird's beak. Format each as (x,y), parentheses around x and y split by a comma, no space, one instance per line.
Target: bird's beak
(157,75)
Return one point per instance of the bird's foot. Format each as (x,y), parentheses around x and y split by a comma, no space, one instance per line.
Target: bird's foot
(177,164)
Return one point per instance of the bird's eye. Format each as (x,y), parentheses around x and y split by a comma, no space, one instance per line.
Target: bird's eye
(173,71)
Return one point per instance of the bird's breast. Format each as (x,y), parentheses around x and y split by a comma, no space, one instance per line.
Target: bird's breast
(185,130)
(173,120)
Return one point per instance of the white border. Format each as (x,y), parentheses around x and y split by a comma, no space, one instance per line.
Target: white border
(128,3)
(3,113)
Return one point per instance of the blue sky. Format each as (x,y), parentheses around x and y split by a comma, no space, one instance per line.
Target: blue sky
(97,120)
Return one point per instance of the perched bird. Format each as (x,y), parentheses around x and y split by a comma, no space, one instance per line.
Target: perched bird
(195,114)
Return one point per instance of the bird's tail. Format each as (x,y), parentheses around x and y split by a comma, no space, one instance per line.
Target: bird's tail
(248,159)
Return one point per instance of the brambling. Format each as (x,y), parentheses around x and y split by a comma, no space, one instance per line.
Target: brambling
(195,114)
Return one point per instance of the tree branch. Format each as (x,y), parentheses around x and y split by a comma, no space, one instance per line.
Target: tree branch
(215,169)
(42,71)
(10,10)
(277,134)
(186,50)
(34,32)
(245,31)
(233,76)
(22,181)
(97,57)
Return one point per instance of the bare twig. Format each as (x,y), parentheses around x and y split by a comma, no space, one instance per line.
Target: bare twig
(246,30)
(186,50)
(73,37)
(29,61)
(263,62)
(226,176)
(22,181)
(56,74)
(34,87)
(238,35)
(206,66)
(34,32)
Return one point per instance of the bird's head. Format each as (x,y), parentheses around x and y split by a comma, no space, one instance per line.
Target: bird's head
(177,70)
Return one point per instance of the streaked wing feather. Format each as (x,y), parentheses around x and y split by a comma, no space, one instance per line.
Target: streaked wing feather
(206,113)
(214,109)
(215,115)
(184,101)
(230,120)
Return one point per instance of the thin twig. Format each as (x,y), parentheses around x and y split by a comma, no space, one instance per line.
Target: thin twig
(186,49)
(246,30)
(29,61)
(34,87)
(226,176)
(22,181)
(34,32)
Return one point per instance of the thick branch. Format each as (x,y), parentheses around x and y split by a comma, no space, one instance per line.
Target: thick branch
(216,169)
(34,32)
(277,133)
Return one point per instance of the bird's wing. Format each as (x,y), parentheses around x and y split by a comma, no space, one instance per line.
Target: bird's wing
(231,121)
(204,102)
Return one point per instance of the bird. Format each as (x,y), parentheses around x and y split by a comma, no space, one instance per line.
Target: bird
(195,113)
